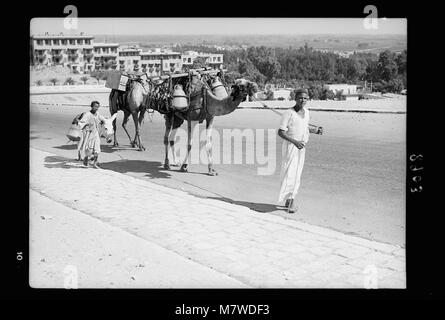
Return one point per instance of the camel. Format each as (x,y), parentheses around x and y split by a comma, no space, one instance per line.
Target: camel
(205,106)
(131,102)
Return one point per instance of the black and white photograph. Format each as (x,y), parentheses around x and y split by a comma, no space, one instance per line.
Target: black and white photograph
(218,152)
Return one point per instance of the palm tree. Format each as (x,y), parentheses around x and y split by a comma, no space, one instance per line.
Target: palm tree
(84,79)
(69,81)
(54,81)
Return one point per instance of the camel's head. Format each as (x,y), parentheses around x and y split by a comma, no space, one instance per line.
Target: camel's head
(107,128)
(243,88)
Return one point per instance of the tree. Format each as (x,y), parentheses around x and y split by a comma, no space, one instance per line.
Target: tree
(387,66)
(39,82)
(84,79)
(69,81)
(327,94)
(53,81)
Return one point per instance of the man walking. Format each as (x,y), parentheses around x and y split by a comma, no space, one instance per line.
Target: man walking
(294,129)
(89,144)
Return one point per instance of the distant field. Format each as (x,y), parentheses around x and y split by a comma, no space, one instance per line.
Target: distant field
(330,42)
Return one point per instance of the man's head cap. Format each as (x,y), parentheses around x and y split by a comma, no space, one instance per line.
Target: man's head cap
(301,90)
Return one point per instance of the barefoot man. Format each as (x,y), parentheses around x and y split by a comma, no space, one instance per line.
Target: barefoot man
(294,129)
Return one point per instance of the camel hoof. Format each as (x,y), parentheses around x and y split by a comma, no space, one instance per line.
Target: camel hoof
(184,168)
(212,172)
(166,166)
(141,149)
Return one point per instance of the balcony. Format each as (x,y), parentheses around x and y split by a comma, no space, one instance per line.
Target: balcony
(88,55)
(73,55)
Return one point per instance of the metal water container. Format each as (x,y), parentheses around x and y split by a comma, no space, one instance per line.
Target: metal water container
(179,97)
(218,88)
(74,132)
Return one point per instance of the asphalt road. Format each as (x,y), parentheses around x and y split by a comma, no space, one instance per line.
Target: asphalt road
(353,180)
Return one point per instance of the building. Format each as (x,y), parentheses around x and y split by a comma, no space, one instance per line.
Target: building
(82,55)
(154,62)
(73,51)
(129,58)
(346,89)
(105,55)
(214,60)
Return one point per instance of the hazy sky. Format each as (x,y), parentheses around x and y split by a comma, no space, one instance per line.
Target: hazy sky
(218,26)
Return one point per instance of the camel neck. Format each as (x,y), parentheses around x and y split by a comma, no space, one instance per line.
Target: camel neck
(220,107)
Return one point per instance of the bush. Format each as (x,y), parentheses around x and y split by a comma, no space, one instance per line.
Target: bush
(69,81)
(54,81)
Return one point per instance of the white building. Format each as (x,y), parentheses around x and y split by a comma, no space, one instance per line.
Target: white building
(214,60)
(129,58)
(74,51)
(105,55)
(80,54)
(281,94)
(155,61)
(347,89)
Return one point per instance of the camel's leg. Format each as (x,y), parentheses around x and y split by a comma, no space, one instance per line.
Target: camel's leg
(190,129)
(137,138)
(140,121)
(113,110)
(171,141)
(168,126)
(209,127)
(124,125)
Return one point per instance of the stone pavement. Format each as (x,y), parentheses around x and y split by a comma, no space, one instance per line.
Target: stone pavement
(259,250)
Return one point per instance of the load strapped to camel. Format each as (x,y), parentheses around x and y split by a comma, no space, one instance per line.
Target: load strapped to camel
(173,93)
(117,80)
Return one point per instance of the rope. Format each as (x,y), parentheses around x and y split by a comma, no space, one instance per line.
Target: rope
(266,107)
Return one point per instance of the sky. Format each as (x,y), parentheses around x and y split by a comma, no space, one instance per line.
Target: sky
(219,26)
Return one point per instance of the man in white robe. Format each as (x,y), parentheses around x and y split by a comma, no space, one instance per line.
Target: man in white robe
(294,129)
(89,144)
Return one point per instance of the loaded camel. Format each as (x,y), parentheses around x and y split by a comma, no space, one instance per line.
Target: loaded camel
(205,105)
(131,102)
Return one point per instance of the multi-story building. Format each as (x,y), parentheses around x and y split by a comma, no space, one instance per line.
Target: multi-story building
(214,60)
(157,61)
(74,51)
(81,54)
(129,58)
(105,55)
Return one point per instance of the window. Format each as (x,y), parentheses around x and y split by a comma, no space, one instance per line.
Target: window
(64,41)
(72,41)
(48,42)
(39,42)
(79,41)
(87,41)
(56,42)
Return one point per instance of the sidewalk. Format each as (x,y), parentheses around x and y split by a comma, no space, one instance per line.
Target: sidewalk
(243,246)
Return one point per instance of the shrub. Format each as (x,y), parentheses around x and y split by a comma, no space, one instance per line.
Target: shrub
(69,81)
(84,79)
(54,81)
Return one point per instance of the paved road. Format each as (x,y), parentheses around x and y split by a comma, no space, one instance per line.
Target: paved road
(127,232)
(353,181)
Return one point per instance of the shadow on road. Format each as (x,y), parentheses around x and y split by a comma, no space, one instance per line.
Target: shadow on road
(62,162)
(259,207)
(153,169)
(73,146)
